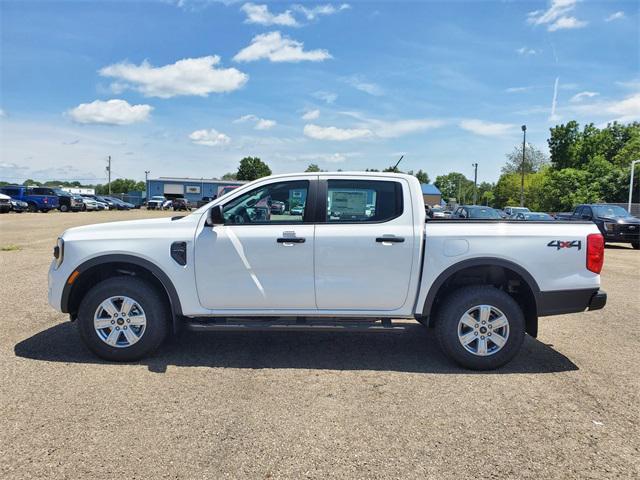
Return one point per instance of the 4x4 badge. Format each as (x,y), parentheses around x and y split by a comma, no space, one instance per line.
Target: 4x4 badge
(558,244)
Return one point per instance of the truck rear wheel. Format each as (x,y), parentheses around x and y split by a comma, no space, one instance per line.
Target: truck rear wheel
(123,319)
(636,245)
(481,328)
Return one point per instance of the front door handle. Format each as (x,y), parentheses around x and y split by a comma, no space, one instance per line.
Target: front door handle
(291,240)
(390,239)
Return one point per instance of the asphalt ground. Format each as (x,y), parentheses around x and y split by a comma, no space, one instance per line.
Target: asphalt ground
(310,405)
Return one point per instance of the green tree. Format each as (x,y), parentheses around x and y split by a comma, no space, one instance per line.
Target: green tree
(563,145)
(121,185)
(534,159)
(252,168)
(421,175)
(229,176)
(313,168)
(30,181)
(455,185)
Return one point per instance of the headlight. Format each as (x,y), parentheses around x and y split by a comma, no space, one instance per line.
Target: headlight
(609,227)
(58,252)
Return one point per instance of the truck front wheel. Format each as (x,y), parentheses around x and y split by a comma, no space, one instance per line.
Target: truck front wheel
(479,327)
(123,319)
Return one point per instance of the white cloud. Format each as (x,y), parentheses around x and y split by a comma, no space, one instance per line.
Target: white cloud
(261,15)
(487,129)
(111,112)
(632,84)
(328,9)
(399,128)
(565,23)
(260,123)
(189,76)
(526,51)
(517,89)
(264,124)
(334,133)
(627,110)
(556,16)
(369,128)
(327,157)
(327,97)
(615,16)
(368,87)
(2,113)
(210,138)
(276,48)
(311,115)
(582,95)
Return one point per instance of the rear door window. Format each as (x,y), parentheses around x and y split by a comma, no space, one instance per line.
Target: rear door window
(363,201)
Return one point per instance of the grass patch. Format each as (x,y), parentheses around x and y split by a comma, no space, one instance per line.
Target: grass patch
(12,247)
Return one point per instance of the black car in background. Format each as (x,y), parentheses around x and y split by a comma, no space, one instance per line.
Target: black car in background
(613,221)
(181,204)
(66,200)
(533,217)
(120,205)
(476,212)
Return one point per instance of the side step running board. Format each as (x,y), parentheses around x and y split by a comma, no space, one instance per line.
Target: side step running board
(295,324)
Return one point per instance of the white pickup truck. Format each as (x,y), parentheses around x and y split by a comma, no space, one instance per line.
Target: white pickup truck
(350,251)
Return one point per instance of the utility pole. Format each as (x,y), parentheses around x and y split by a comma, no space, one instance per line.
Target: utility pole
(146,182)
(633,164)
(109,172)
(524,149)
(475,183)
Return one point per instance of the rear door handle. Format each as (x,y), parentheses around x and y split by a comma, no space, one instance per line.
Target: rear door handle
(291,240)
(390,239)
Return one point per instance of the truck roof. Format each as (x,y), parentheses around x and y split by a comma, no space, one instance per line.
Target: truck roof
(343,174)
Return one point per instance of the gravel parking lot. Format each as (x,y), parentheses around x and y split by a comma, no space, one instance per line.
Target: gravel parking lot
(310,405)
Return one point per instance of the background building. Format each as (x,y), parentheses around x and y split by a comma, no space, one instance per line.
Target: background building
(431,194)
(193,189)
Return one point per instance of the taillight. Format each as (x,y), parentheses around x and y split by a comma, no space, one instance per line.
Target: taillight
(595,252)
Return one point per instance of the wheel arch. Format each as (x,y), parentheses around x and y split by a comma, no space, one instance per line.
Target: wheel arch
(505,274)
(100,268)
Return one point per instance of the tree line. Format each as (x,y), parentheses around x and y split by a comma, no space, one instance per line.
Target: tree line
(584,165)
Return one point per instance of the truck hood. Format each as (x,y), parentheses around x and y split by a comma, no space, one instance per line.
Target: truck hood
(130,228)
(621,220)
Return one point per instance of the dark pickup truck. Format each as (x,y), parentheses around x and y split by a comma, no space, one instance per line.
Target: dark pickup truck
(37,203)
(614,222)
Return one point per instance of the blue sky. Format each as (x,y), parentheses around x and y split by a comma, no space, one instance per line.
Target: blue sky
(187,88)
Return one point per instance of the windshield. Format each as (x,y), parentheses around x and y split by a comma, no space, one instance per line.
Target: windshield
(488,213)
(610,211)
(519,209)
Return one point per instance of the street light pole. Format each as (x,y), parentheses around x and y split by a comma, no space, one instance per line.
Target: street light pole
(524,149)
(633,164)
(475,183)
(146,182)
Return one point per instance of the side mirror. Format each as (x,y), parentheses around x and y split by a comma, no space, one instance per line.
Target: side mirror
(215,216)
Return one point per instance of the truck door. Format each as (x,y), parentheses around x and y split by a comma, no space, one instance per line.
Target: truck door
(259,259)
(364,244)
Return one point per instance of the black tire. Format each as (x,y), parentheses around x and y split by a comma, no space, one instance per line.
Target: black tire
(636,245)
(153,304)
(451,312)
(84,208)
(64,208)
(33,208)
